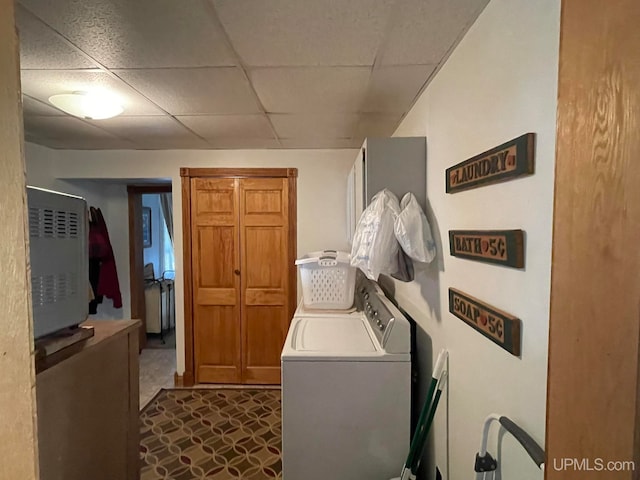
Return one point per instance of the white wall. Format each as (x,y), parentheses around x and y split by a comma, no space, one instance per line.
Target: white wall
(499,83)
(322,178)
(110,198)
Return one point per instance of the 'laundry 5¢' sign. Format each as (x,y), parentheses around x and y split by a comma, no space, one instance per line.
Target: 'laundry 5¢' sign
(509,160)
(498,326)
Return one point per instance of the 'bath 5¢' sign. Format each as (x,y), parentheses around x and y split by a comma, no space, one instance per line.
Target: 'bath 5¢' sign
(498,326)
(502,247)
(511,159)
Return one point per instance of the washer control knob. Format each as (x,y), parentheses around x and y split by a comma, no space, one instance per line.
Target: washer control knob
(381,327)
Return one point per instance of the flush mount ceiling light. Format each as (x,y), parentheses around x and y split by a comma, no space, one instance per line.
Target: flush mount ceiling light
(89,105)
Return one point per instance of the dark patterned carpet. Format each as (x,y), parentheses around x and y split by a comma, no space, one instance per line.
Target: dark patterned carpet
(217,434)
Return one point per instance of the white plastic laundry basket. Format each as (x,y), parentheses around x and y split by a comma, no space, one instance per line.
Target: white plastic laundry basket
(328,280)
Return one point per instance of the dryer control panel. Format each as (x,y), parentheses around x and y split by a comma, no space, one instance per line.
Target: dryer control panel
(387,322)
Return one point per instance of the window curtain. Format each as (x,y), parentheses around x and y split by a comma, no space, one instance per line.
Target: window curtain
(166,205)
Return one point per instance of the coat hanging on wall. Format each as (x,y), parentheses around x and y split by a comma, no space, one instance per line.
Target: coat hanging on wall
(103,275)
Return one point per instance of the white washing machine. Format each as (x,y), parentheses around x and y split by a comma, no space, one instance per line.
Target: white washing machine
(346,391)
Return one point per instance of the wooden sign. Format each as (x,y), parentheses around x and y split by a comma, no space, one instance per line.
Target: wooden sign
(506,162)
(502,247)
(498,326)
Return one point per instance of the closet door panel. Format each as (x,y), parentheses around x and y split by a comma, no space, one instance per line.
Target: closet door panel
(216,285)
(214,273)
(264,232)
(265,335)
(214,201)
(264,255)
(218,364)
(264,296)
(264,201)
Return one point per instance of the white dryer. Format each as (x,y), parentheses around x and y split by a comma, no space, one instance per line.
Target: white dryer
(346,391)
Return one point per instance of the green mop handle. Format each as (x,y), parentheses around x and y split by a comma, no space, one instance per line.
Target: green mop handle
(422,420)
(425,432)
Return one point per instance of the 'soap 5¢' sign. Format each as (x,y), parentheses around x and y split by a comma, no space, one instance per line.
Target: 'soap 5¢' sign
(498,326)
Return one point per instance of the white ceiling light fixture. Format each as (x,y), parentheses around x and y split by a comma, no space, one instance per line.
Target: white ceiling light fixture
(89,105)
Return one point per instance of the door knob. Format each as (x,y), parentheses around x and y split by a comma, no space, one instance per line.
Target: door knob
(236,271)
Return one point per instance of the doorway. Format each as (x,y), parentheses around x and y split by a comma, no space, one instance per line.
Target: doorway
(159,270)
(152,272)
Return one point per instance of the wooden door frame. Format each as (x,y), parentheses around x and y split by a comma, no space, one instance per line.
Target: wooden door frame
(593,390)
(186,175)
(136,254)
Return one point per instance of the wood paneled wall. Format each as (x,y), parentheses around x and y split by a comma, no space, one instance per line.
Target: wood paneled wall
(17,402)
(593,384)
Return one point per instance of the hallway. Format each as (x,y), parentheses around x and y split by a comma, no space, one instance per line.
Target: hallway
(157,367)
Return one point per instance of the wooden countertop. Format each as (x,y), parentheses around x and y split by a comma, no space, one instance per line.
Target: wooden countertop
(104,331)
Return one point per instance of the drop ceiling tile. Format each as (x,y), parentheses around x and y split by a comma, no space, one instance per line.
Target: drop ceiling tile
(291,32)
(31,106)
(139,33)
(321,142)
(194,91)
(377,125)
(169,143)
(84,143)
(394,89)
(314,125)
(41,84)
(144,127)
(42,48)
(244,143)
(229,126)
(63,129)
(424,31)
(311,89)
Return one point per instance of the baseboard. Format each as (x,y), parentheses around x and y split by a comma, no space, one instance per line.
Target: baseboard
(184,380)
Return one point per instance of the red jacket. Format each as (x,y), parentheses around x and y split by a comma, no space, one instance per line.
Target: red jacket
(100,248)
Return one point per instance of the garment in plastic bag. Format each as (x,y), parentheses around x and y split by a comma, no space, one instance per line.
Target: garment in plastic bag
(413,231)
(375,248)
(404,272)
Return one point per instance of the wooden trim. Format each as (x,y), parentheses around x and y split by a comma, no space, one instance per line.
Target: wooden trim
(239,172)
(136,265)
(185,380)
(152,188)
(188,379)
(293,243)
(636,440)
(188,287)
(136,251)
(594,324)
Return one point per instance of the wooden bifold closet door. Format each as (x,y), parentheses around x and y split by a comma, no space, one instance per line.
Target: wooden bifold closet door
(241,277)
